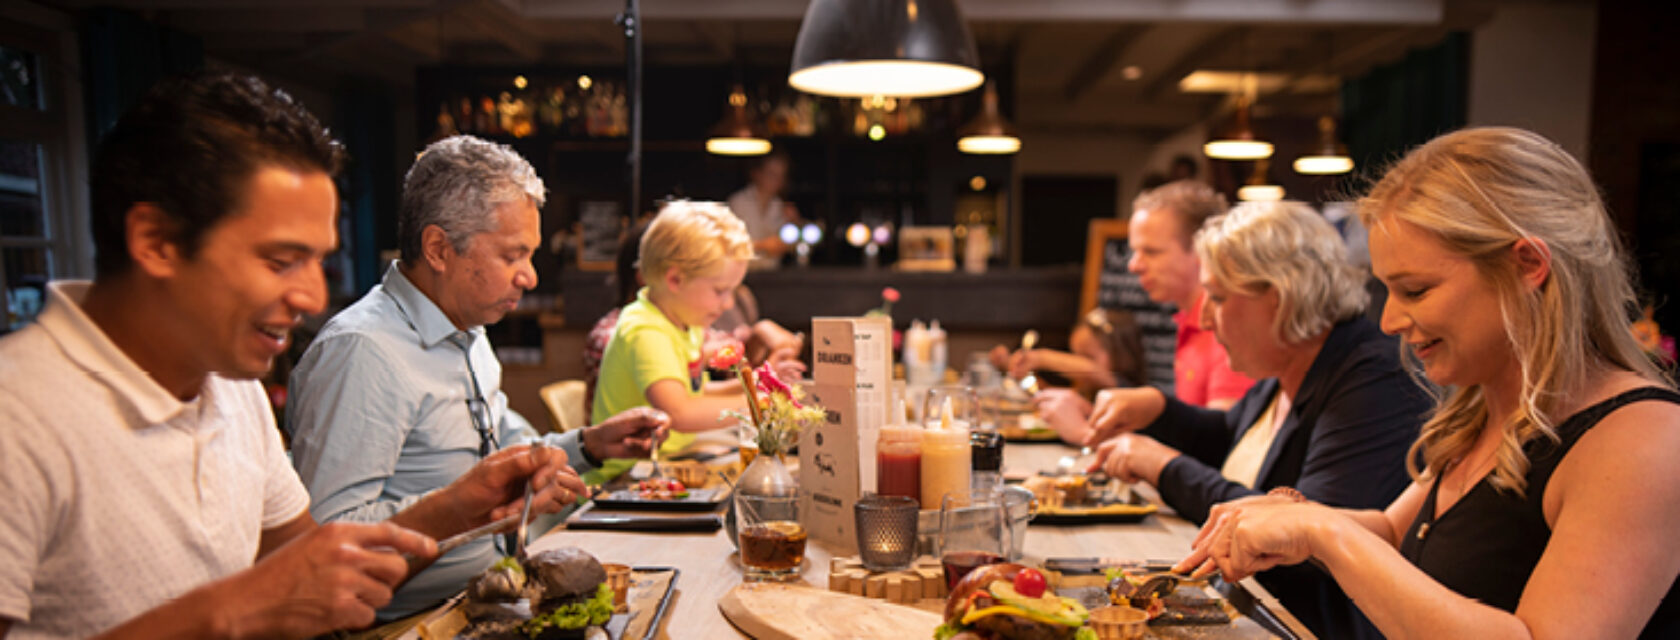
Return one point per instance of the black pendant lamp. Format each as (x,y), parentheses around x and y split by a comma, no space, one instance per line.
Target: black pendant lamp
(903,48)
(738,134)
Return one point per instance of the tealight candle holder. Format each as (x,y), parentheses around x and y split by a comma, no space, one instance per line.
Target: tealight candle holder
(886,530)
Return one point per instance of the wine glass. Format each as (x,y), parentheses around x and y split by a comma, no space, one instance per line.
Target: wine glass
(965,406)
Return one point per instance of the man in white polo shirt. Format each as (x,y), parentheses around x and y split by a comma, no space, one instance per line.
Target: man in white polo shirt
(142,481)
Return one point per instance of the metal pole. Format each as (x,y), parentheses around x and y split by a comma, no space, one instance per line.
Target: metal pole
(631,21)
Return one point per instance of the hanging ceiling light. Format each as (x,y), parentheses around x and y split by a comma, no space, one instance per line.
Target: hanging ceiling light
(1332,157)
(1239,143)
(906,48)
(988,132)
(738,134)
(1259,189)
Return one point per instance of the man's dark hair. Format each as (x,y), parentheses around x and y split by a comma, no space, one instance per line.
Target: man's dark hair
(189,146)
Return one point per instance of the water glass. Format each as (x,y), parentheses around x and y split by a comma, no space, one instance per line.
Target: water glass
(771,540)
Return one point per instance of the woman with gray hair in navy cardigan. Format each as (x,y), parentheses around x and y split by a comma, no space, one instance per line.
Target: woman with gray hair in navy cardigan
(1330,418)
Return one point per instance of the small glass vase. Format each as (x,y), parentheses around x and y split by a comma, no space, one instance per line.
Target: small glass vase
(766,476)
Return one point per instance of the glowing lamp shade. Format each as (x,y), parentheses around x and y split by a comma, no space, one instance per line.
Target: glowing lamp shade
(989,144)
(1234,149)
(1260,193)
(1323,165)
(789,233)
(738,146)
(738,134)
(904,48)
(811,234)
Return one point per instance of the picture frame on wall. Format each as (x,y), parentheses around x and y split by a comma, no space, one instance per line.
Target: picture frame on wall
(926,249)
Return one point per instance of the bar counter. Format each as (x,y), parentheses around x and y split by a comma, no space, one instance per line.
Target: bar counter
(998,300)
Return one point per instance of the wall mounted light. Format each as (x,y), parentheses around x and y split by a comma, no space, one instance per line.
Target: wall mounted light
(907,48)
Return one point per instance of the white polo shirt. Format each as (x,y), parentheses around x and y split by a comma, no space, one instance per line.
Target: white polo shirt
(115,495)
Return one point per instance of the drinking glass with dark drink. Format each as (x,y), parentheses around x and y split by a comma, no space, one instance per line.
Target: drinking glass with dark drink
(972,536)
(959,563)
(771,539)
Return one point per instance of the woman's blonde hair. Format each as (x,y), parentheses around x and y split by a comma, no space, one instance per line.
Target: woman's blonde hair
(1479,192)
(1288,247)
(694,237)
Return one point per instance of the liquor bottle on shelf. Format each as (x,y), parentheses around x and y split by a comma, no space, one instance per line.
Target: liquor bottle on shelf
(465,121)
(551,114)
(485,119)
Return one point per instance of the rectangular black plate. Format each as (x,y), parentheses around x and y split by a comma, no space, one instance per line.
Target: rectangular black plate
(698,500)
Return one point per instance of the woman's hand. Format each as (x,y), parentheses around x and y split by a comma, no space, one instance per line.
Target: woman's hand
(1065,411)
(1123,410)
(1247,536)
(1134,458)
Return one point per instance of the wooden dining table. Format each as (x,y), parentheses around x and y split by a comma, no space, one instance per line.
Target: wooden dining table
(709,568)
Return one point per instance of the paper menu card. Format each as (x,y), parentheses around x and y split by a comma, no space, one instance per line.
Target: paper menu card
(851,375)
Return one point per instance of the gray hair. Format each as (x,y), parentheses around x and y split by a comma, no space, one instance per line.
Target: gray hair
(456,183)
(1288,247)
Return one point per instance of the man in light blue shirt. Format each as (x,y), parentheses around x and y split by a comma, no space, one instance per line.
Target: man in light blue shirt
(401,392)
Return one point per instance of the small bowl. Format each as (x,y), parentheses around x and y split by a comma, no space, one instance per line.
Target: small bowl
(692,474)
(1119,623)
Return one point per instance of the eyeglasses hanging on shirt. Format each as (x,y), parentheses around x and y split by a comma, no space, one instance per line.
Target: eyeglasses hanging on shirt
(477,407)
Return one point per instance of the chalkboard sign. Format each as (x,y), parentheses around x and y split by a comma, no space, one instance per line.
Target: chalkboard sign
(600,223)
(1108,284)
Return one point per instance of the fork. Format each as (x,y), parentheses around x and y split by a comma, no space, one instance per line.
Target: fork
(523,530)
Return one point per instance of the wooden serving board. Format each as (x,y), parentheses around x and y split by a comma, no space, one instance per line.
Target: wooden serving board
(773,611)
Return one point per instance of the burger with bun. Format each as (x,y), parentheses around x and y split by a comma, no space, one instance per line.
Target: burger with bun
(1010,602)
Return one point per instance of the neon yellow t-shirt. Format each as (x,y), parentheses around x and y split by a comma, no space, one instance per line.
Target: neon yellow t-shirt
(645,348)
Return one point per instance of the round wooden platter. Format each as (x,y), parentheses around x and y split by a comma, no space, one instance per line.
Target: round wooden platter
(775,611)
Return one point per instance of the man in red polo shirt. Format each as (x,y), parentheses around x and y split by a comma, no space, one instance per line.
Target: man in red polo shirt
(1164,220)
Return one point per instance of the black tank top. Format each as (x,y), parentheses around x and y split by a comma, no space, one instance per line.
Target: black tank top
(1486,544)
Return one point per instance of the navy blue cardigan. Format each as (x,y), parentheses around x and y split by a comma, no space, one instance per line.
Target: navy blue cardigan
(1343,444)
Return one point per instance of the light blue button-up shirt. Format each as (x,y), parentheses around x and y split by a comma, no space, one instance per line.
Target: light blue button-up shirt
(379,416)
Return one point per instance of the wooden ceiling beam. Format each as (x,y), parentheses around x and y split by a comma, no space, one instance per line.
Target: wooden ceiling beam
(323,20)
(1211,46)
(244,5)
(496,21)
(1102,59)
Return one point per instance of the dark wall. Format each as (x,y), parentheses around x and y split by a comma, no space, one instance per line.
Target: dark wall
(1634,151)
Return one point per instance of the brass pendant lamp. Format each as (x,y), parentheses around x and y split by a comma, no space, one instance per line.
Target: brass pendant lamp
(989,133)
(1259,188)
(1332,157)
(738,134)
(1239,143)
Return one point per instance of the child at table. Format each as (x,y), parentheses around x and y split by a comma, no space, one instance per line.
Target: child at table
(694,255)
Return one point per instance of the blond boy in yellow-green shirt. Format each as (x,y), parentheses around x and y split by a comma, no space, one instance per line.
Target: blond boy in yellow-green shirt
(693,256)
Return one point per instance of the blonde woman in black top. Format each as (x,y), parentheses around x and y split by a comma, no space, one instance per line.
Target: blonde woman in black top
(1548,500)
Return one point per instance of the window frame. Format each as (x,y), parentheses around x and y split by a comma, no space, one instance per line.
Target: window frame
(59,130)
